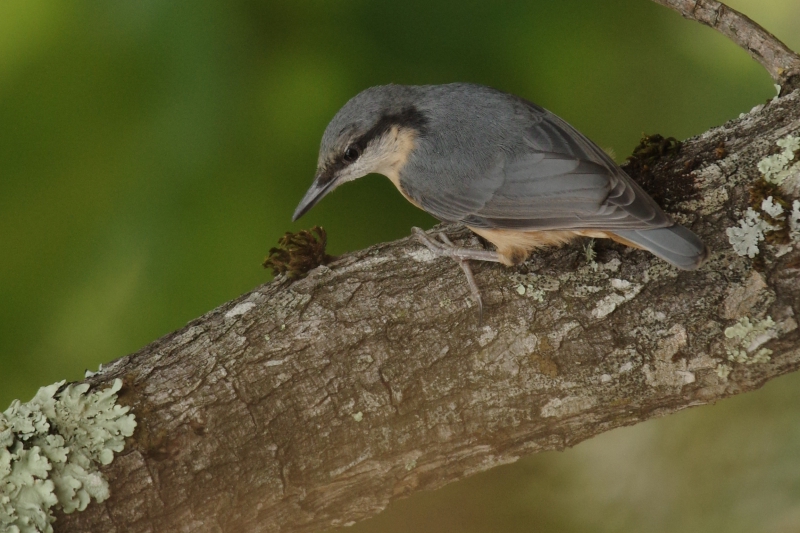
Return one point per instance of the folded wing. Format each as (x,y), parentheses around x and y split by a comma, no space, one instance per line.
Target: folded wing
(559,180)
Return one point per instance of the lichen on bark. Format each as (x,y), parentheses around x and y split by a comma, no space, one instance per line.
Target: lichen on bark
(51,450)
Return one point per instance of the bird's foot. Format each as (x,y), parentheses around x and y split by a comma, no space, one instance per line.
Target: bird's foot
(446,248)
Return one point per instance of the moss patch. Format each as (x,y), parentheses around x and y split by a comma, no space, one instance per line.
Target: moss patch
(666,192)
(298,253)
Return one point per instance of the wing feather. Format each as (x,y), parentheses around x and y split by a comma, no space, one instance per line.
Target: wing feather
(559,180)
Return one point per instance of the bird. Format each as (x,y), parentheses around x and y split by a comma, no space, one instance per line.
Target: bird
(511,171)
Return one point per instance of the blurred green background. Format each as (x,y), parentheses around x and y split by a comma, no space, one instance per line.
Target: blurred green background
(151,152)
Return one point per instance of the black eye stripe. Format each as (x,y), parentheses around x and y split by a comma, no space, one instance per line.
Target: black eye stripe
(409,118)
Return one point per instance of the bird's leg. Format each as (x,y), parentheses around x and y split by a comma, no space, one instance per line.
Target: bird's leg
(473,286)
(453,251)
(460,255)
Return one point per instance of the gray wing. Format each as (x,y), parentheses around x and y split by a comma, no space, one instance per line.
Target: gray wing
(558,180)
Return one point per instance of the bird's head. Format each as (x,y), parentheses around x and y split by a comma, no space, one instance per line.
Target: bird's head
(374,132)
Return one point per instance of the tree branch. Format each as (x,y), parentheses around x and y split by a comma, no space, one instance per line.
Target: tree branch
(306,405)
(782,63)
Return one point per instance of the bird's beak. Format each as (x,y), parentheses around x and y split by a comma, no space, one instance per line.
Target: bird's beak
(318,189)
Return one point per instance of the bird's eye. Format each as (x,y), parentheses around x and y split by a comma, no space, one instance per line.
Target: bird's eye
(351,154)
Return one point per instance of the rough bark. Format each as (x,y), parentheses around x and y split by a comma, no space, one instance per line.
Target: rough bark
(781,62)
(301,406)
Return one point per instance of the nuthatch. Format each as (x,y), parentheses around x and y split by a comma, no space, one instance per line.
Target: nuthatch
(511,171)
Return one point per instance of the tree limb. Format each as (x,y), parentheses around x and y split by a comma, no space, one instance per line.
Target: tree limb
(306,405)
(781,62)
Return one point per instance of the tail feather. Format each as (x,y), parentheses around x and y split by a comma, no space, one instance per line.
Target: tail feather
(676,245)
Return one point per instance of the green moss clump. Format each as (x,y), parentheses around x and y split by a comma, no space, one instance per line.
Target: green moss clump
(666,192)
(651,148)
(298,253)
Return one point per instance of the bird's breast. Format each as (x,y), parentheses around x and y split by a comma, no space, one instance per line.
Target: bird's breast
(402,142)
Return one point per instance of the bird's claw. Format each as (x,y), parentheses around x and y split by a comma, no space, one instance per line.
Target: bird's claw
(457,253)
(429,243)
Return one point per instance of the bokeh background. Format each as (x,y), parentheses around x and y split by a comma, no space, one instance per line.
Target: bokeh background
(151,152)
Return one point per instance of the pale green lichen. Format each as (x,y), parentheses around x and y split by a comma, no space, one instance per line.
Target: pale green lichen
(745,339)
(50,451)
(626,291)
(589,253)
(794,221)
(537,294)
(749,234)
(777,167)
(778,214)
(723,371)
(533,285)
(771,208)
